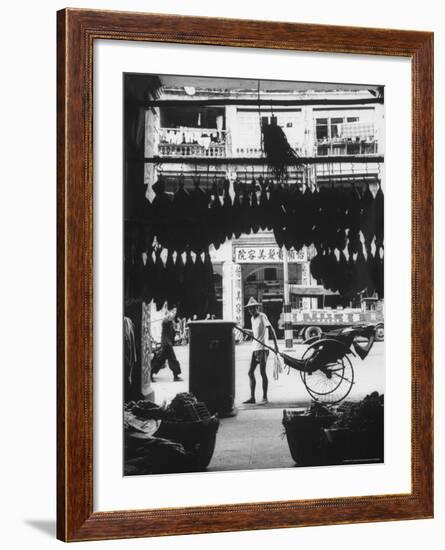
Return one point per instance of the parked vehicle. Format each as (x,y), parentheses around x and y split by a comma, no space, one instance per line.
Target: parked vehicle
(309,323)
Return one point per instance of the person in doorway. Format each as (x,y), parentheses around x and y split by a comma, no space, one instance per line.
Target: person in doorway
(167,353)
(260,328)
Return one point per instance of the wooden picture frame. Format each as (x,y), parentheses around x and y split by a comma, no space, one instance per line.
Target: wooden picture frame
(77,31)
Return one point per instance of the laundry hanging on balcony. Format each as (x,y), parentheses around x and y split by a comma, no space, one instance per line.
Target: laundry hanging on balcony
(357,130)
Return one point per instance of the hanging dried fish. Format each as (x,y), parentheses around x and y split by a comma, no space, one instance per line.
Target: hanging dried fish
(209,286)
(237,221)
(160,294)
(263,204)
(255,212)
(180,282)
(353,217)
(199,202)
(149,279)
(246,211)
(308,211)
(277,201)
(295,218)
(187,308)
(180,218)
(368,222)
(266,203)
(161,212)
(215,223)
(379,215)
(171,282)
(227,229)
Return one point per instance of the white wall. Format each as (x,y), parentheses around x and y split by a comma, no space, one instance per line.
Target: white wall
(27,215)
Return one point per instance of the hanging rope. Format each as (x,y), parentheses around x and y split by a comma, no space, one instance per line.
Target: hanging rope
(259,118)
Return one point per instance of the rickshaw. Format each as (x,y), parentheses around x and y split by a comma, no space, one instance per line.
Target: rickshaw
(325,367)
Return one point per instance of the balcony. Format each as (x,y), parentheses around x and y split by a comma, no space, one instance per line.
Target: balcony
(192,142)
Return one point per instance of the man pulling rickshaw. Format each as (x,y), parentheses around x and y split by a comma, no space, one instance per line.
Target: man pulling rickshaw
(325,367)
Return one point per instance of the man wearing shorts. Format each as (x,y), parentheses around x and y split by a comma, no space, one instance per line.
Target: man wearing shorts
(260,328)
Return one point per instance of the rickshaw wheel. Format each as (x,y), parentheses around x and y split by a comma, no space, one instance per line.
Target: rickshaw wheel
(333,381)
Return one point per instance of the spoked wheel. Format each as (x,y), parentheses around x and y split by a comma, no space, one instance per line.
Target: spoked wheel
(333,380)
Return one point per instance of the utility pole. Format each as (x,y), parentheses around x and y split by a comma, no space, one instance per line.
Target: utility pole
(288,333)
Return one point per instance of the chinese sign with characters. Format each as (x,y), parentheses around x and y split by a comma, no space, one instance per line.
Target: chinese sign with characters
(325,317)
(267,254)
(237,295)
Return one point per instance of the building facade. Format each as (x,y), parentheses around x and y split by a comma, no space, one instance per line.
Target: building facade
(192,136)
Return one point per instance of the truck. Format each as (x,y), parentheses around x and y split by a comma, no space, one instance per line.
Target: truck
(311,322)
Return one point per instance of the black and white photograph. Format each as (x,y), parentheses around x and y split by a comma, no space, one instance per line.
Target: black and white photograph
(253,272)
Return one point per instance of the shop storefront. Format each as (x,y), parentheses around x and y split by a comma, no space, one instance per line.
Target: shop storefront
(252,267)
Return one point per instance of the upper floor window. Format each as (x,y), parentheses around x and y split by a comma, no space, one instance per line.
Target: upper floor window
(329,128)
(193,117)
(335,126)
(322,128)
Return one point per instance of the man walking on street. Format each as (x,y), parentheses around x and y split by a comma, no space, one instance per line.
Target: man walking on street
(167,352)
(260,327)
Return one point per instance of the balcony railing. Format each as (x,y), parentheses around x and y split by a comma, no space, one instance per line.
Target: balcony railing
(256,151)
(192,142)
(186,150)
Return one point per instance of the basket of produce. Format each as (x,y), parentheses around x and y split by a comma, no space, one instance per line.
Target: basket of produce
(189,423)
(177,438)
(357,434)
(304,433)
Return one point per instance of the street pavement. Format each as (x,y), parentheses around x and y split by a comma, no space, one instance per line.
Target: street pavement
(288,390)
(254,438)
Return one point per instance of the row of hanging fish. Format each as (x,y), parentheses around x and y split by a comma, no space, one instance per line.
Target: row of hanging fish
(183,280)
(360,271)
(326,218)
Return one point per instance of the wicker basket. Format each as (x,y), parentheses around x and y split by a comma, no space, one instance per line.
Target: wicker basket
(197,437)
(305,437)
